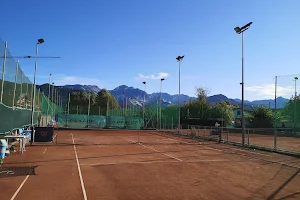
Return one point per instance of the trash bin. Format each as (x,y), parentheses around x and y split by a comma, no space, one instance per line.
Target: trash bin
(3,147)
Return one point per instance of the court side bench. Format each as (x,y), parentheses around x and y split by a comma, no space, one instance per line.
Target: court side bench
(18,136)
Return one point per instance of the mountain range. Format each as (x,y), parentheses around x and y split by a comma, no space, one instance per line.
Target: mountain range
(136,96)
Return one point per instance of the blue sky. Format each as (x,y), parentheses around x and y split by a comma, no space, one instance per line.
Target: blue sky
(110,43)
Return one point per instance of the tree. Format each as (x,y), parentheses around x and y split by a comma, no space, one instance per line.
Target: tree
(104,97)
(204,110)
(289,110)
(261,117)
(202,93)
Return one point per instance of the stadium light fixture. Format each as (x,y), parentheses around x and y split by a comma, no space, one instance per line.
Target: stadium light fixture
(161,80)
(241,30)
(179,60)
(40,41)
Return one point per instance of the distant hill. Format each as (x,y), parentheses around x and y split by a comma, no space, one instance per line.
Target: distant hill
(136,96)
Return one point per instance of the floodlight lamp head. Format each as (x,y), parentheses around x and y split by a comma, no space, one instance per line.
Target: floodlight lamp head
(40,41)
(144,82)
(162,79)
(179,58)
(246,26)
(237,30)
(296,78)
(52,83)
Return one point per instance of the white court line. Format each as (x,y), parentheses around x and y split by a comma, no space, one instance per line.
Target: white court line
(222,150)
(214,148)
(152,162)
(252,152)
(79,170)
(155,150)
(44,151)
(120,163)
(20,187)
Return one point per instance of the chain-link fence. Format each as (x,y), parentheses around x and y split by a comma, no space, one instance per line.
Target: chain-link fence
(16,94)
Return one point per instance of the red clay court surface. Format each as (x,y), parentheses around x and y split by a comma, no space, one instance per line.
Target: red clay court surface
(113,165)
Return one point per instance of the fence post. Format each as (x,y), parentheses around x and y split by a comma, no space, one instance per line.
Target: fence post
(228,134)
(248,137)
(15,87)
(26,92)
(21,92)
(3,71)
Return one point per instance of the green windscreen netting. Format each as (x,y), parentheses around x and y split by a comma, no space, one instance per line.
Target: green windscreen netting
(15,118)
(49,108)
(99,121)
(288,111)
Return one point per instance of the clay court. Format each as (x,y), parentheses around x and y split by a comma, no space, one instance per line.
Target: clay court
(263,139)
(119,164)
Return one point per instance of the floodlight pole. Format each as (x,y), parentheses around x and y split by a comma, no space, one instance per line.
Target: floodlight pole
(144,102)
(161,80)
(48,97)
(40,41)
(295,100)
(275,115)
(239,31)
(179,60)
(243,100)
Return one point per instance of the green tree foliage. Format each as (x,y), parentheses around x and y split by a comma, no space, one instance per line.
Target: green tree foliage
(200,108)
(79,102)
(103,97)
(261,117)
(290,109)
(202,93)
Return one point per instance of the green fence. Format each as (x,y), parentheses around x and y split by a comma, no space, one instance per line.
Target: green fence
(16,94)
(288,113)
(49,108)
(99,121)
(12,118)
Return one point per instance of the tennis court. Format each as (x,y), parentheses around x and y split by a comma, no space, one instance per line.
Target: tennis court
(119,164)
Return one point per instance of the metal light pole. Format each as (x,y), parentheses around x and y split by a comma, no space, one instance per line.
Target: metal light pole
(144,103)
(239,30)
(157,124)
(48,96)
(179,60)
(52,99)
(52,93)
(295,101)
(40,41)
(161,80)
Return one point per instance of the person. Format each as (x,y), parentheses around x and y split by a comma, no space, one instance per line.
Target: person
(218,131)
